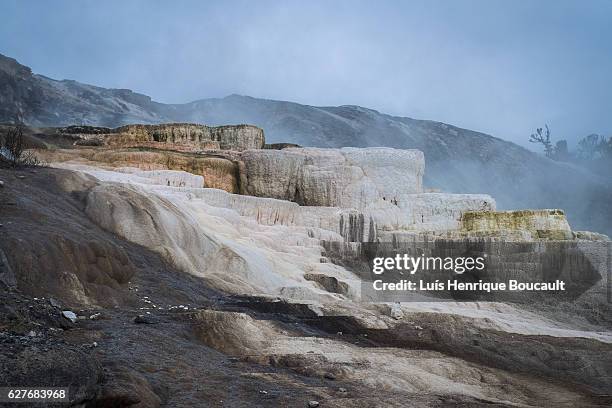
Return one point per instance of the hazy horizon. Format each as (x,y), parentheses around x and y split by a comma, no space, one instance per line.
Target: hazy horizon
(502,68)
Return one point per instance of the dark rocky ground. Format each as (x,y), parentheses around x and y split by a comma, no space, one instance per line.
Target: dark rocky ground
(112,361)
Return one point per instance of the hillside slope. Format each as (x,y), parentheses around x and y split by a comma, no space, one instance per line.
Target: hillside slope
(457,160)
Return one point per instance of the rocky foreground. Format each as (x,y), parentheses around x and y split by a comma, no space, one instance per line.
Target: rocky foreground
(199,269)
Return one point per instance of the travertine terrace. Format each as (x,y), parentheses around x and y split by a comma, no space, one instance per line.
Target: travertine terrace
(254,223)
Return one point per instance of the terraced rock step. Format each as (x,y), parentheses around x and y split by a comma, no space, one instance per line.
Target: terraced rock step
(174,136)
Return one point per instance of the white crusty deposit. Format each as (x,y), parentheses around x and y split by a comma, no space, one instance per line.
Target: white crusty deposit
(385,184)
(232,252)
(171,178)
(347,177)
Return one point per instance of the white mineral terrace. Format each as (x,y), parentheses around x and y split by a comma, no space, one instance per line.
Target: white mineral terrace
(272,247)
(258,245)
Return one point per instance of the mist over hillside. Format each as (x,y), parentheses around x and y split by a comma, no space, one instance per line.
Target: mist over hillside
(457,160)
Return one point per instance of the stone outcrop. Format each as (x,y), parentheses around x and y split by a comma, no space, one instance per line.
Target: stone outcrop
(219,170)
(428,211)
(384,184)
(530,224)
(347,177)
(209,241)
(49,248)
(330,223)
(175,136)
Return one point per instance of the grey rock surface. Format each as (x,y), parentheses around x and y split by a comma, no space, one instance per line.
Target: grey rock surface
(69,315)
(347,177)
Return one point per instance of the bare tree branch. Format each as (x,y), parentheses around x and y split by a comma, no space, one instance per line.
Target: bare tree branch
(542,136)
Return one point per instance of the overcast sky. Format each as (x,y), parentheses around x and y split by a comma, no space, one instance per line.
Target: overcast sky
(502,67)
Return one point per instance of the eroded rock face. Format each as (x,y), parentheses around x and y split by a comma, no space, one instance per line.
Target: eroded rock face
(348,177)
(536,224)
(440,367)
(150,221)
(427,211)
(359,194)
(210,241)
(272,173)
(219,171)
(176,136)
(170,178)
(48,249)
(233,333)
(321,222)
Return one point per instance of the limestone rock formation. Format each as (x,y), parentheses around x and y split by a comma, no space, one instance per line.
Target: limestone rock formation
(240,137)
(384,184)
(347,177)
(428,211)
(359,194)
(208,241)
(536,224)
(170,178)
(220,169)
(176,136)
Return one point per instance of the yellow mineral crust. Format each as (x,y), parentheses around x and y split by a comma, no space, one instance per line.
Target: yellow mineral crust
(541,224)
